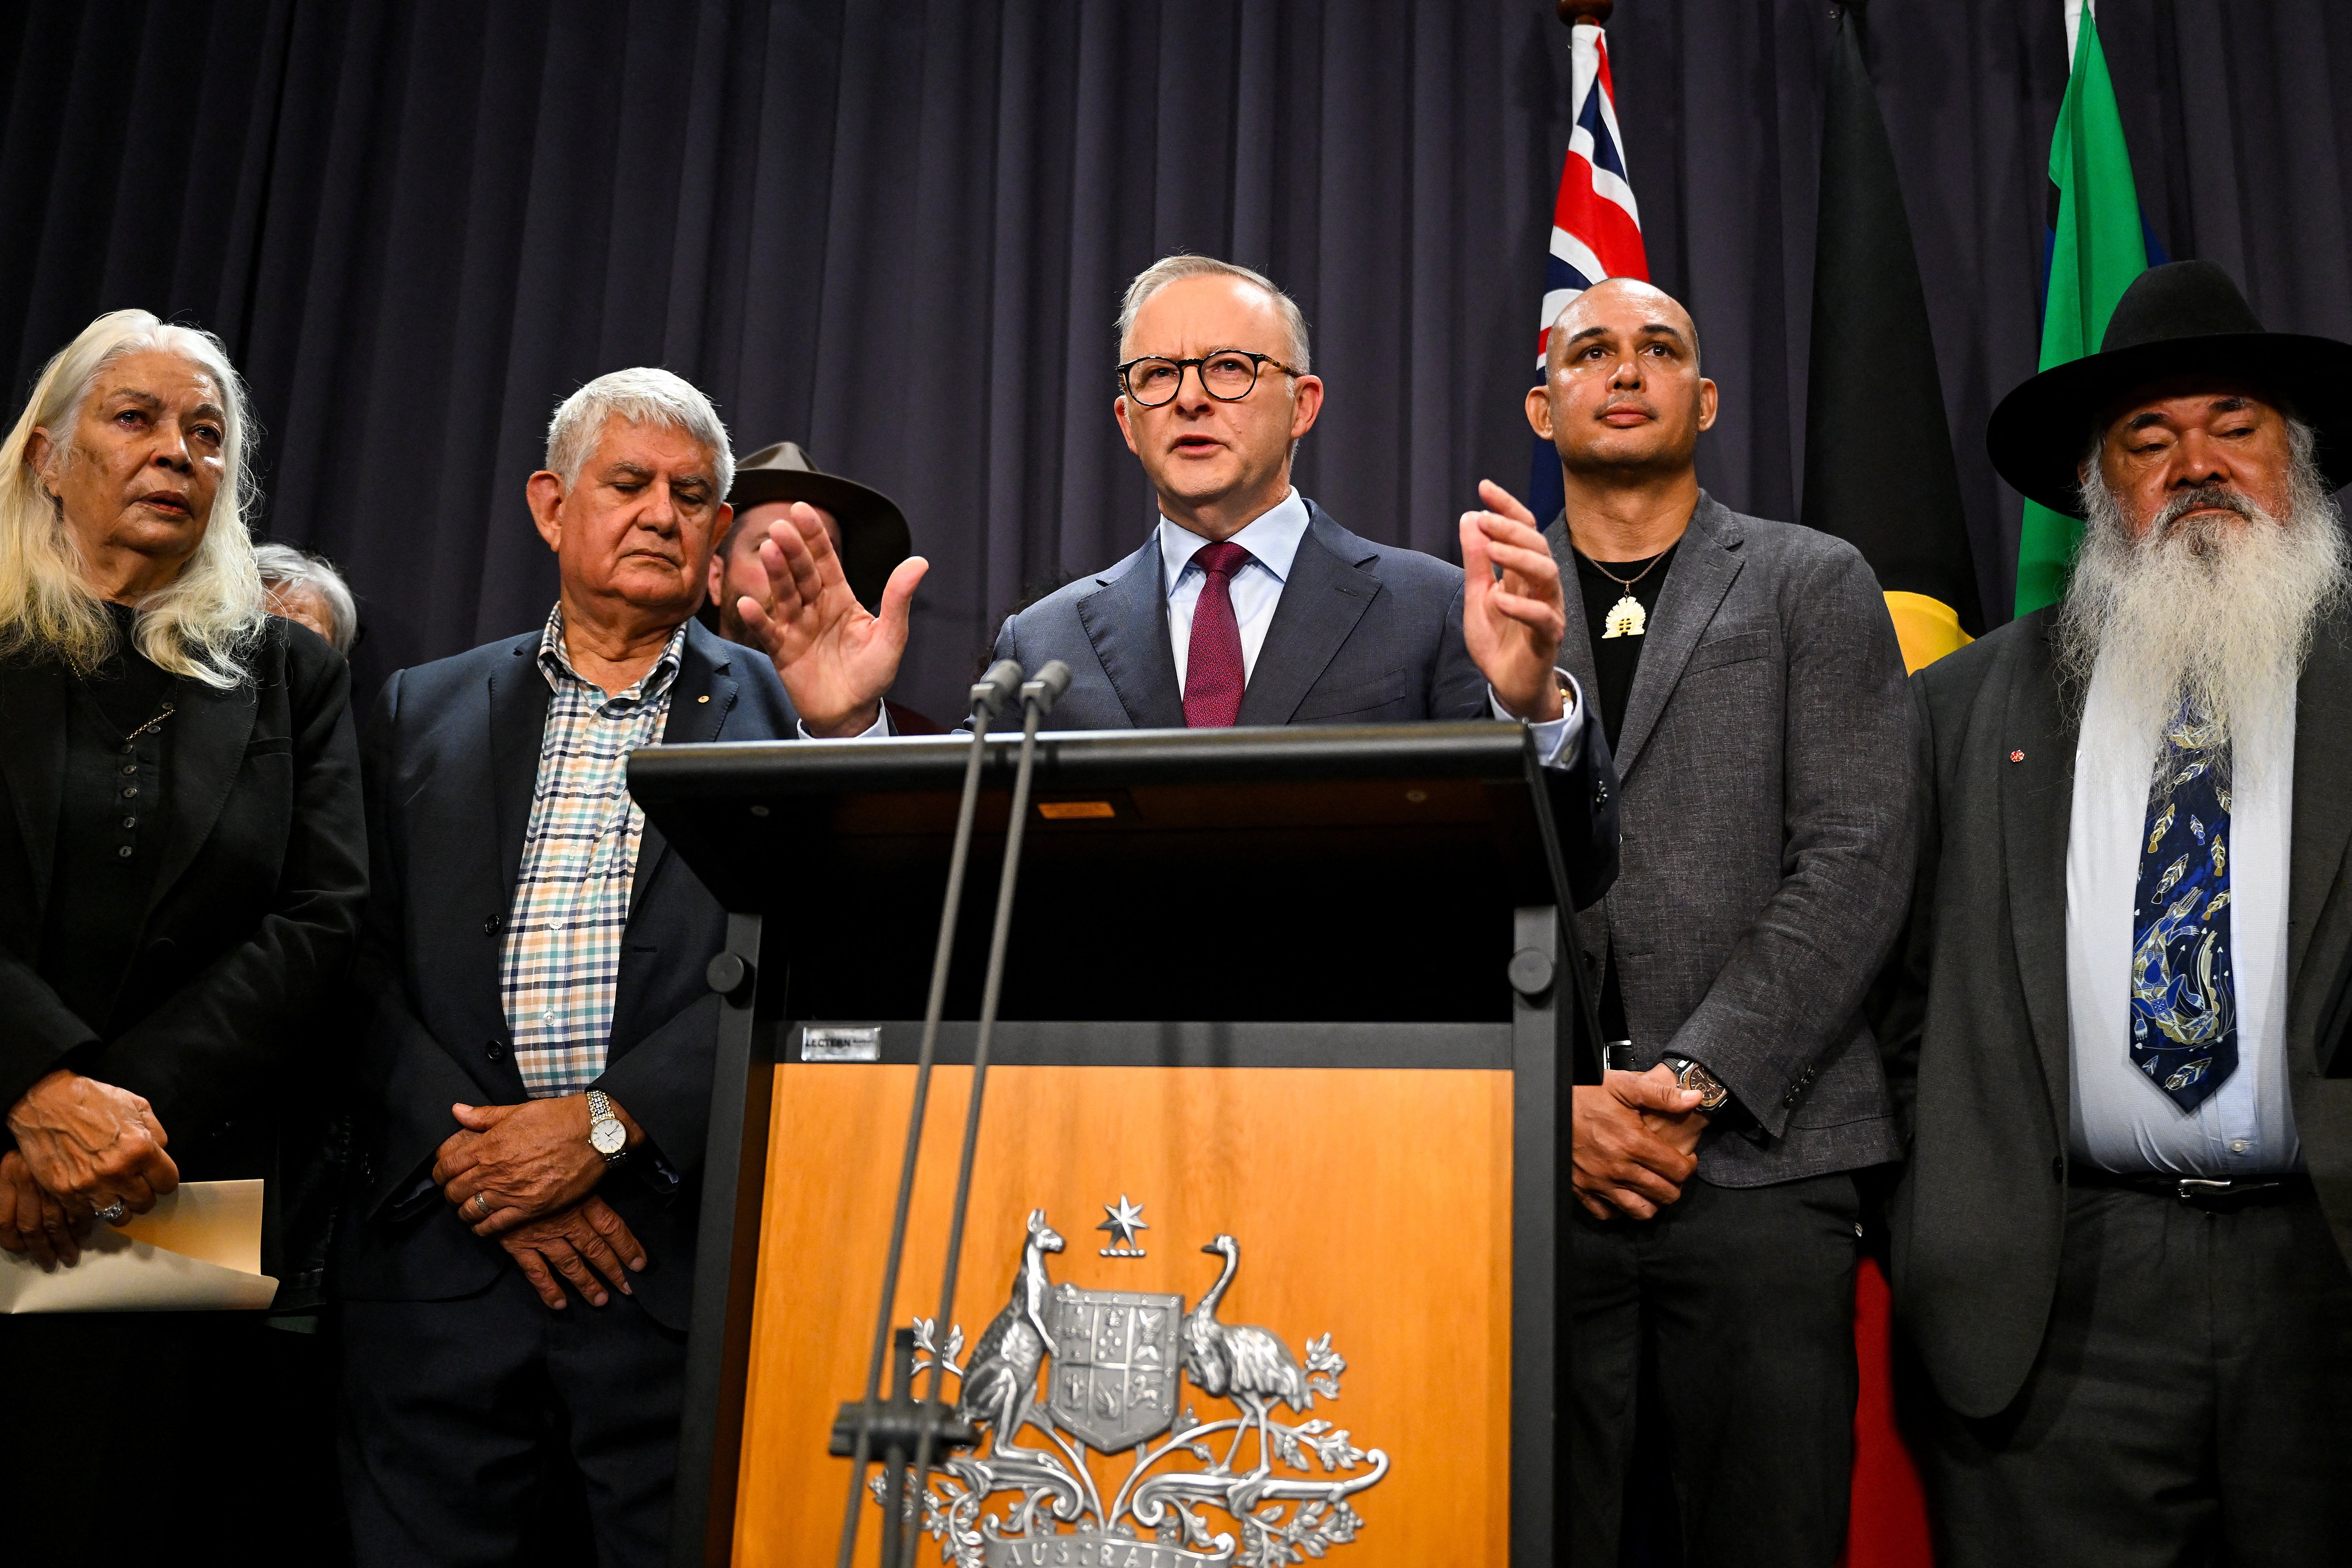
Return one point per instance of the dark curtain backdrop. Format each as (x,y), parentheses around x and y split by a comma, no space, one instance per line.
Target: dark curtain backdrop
(897,232)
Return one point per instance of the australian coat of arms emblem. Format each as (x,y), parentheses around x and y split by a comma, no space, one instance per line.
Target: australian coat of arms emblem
(1116,1368)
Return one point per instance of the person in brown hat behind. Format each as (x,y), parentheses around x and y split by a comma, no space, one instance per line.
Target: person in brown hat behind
(868,533)
(2120,1242)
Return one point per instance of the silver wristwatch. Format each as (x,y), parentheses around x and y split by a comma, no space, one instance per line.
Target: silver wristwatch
(606,1133)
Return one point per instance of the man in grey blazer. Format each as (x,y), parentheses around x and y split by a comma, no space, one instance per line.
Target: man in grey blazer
(2120,1242)
(1748,679)
(1248,605)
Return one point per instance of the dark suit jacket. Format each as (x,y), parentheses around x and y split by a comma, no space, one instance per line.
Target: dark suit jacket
(1977,1030)
(452,755)
(1767,838)
(250,927)
(1363,633)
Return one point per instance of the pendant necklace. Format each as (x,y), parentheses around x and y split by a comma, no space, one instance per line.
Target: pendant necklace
(1627,618)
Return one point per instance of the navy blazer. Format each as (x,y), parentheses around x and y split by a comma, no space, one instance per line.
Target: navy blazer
(1363,633)
(450,759)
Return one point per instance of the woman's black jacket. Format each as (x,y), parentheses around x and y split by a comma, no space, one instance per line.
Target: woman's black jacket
(223,1019)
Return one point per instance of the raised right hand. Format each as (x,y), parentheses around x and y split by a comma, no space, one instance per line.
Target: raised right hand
(567,1242)
(1621,1163)
(92,1143)
(835,659)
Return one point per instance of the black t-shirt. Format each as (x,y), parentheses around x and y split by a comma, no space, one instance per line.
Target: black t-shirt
(1614,659)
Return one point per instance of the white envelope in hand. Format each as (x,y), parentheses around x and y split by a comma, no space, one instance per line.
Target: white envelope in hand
(198,1249)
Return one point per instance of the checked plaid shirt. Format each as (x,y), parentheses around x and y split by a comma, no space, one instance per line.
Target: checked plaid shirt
(563,955)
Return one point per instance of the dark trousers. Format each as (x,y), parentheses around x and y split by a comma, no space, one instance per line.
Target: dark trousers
(2192,1402)
(457,1413)
(1741,1299)
(140,1438)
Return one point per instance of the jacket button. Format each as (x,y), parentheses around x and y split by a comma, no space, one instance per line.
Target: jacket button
(496,1050)
(494,925)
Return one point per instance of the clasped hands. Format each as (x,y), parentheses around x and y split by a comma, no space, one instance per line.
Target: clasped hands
(1634,1142)
(82,1146)
(525,1175)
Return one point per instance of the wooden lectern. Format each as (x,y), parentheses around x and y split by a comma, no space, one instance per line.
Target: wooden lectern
(1270,1149)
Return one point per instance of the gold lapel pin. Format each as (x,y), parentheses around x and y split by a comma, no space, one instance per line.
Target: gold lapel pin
(704,698)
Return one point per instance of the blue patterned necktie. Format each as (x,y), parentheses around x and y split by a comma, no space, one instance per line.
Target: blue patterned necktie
(2184,999)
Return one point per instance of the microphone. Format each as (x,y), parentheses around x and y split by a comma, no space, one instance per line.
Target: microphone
(1037,696)
(1045,688)
(997,687)
(989,696)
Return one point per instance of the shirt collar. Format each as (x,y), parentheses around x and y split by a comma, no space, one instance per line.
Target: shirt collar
(1271,538)
(555,663)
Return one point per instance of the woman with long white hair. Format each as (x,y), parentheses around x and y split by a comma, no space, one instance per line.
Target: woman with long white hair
(182,860)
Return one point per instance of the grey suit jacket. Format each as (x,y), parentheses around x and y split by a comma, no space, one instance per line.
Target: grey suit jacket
(1975,1017)
(1765,801)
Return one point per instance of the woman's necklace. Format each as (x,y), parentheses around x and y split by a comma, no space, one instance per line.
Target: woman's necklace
(1627,618)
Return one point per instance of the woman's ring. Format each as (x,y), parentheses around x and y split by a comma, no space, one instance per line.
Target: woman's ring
(115,1213)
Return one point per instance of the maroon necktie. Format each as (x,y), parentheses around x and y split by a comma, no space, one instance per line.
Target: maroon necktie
(1212,672)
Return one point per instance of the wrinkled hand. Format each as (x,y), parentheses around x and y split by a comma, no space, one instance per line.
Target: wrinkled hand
(93,1144)
(569,1242)
(34,1221)
(1512,624)
(1621,1162)
(523,1161)
(837,660)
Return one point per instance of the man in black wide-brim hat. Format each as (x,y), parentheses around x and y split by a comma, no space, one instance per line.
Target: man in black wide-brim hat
(2120,1241)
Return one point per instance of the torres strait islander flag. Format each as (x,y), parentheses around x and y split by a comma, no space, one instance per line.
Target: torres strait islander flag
(1596,229)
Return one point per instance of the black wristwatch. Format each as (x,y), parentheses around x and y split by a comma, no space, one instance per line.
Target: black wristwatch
(1712,1096)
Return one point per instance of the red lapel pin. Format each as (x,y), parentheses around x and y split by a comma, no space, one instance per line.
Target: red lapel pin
(2017,756)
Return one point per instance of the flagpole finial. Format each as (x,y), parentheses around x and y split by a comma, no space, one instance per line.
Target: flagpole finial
(1596,12)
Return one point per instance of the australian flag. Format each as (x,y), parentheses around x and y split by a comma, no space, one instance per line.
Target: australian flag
(1596,229)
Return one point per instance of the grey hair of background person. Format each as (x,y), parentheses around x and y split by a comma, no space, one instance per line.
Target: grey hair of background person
(1176,269)
(641,395)
(283,567)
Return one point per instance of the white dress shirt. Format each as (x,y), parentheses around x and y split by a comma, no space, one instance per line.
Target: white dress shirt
(2120,1119)
(1272,540)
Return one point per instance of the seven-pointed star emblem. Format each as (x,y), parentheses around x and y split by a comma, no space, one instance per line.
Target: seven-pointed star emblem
(1125,1219)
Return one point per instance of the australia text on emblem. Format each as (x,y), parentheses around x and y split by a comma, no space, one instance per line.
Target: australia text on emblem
(1106,1371)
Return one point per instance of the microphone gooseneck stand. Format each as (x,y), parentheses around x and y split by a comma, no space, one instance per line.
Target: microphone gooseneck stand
(989,696)
(1037,699)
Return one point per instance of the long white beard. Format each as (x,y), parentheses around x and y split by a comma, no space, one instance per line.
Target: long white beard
(2221,617)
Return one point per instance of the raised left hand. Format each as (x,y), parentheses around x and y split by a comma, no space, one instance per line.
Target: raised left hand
(1512,624)
(516,1162)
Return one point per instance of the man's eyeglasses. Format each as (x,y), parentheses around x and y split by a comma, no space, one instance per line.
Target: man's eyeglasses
(1227,374)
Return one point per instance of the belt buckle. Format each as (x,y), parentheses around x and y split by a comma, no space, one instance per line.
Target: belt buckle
(2189,1189)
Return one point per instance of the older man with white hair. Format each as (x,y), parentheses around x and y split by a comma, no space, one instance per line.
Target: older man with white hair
(2120,1245)
(535,1071)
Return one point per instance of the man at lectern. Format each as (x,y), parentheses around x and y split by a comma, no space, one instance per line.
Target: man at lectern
(1748,676)
(1248,605)
(534,1078)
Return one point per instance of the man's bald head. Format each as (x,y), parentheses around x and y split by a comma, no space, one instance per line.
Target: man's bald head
(1623,399)
(1609,300)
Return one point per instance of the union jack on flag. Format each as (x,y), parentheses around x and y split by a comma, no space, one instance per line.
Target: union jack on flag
(1596,229)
